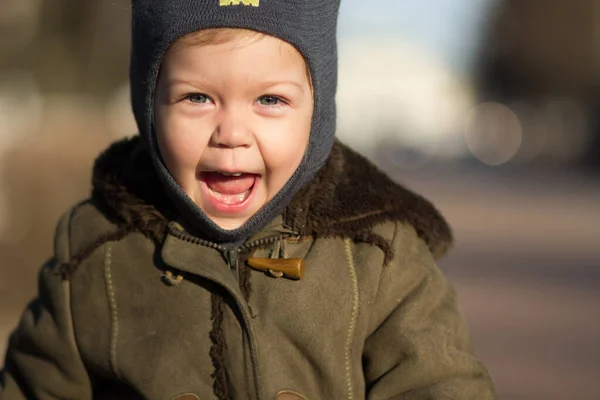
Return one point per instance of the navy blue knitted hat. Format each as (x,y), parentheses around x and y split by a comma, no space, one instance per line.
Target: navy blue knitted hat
(308,25)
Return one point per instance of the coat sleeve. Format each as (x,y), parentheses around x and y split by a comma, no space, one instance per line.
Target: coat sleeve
(419,346)
(42,359)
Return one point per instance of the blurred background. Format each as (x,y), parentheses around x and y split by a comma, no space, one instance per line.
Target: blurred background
(487,107)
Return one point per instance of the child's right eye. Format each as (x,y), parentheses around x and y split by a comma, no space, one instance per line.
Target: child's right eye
(198,98)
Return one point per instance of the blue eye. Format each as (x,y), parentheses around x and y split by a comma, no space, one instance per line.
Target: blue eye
(269,101)
(198,98)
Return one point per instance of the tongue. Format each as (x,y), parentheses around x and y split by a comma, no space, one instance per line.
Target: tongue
(229,184)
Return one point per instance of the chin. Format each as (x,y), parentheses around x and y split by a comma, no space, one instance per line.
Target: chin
(229,224)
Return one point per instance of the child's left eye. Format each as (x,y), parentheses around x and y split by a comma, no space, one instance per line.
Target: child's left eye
(269,100)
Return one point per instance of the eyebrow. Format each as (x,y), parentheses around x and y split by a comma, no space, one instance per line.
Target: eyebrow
(282,82)
(175,81)
(266,84)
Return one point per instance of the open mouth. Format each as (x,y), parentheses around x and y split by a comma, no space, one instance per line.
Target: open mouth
(230,189)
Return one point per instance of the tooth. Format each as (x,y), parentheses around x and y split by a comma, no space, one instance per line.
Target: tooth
(231,174)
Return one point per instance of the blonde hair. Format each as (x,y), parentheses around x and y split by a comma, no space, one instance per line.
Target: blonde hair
(224,35)
(217,36)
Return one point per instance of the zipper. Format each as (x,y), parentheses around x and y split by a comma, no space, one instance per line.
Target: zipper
(231,254)
(245,247)
(232,257)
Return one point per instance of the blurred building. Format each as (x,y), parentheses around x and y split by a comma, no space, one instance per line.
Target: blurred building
(405,85)
(399,102)
(498,81)
(68,46)
(542,59)
(65,53)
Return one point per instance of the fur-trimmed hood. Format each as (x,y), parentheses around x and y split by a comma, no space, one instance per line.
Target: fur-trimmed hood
(347,198)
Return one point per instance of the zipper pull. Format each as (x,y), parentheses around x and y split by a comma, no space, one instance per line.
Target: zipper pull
(232,256)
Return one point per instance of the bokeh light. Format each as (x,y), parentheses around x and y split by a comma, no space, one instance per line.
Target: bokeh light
(493,133)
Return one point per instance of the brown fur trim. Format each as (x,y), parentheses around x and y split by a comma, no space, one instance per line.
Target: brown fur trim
(350,195)
(220,384)
(347,198)
(377,240)
(245,276)
(127,189)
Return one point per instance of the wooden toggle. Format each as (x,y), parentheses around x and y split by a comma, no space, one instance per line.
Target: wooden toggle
(290,268)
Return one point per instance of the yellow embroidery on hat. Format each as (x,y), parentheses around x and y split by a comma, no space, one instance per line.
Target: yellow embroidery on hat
(224,3)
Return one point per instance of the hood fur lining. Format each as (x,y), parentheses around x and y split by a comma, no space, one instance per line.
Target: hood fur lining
(347,198)
(350,196)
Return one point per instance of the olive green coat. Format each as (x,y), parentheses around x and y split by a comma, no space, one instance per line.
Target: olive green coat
(133,305)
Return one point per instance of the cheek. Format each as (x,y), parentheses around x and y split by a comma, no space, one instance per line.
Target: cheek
(283,153)
(180,145)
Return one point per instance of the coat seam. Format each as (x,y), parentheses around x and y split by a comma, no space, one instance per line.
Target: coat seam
(66,250)
(353,317)
(380,282)
(69,228)
(66,286)
(112,305)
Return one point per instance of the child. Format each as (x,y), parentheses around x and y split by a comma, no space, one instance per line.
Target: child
(236,250)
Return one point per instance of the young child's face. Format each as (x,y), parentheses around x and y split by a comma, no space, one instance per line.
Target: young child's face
(243,106)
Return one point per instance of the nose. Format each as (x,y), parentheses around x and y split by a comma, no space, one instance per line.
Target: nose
(232,130)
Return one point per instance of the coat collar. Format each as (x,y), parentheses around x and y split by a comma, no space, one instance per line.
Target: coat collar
(347,198)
